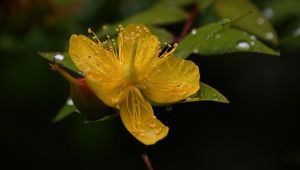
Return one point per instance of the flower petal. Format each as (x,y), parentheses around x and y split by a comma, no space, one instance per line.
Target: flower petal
(138,117)
(102,70)
(172,81)
(90,56)
(137,44)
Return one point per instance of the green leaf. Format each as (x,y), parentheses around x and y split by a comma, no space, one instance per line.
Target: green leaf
(214,39)
(254,23)
(177,2)
(105,118)
(291,37)
(207,93)
(159,14)
(65,111)
(63,59)
(204,4)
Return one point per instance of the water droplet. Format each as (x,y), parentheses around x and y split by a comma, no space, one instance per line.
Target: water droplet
(152,125)
(196,51)
(188,99)
(168,108)
(260,21)
(225,22)
(207,36)
(252,37)
(218,36)
(194,31)
(297,32)
(243,45)
(59,57)
(252,43)
(269,35)
(105,27)
(70,102)
(268,12)
(141,134)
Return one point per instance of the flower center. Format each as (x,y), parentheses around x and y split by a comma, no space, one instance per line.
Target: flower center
(130,73)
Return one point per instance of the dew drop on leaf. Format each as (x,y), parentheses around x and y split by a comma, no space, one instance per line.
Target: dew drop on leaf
(269,35)
(59,57)
(217,36)
(194,31)
(243,45)
(253,37)
(268,12)
(196,51)
(260,21)
(70,102)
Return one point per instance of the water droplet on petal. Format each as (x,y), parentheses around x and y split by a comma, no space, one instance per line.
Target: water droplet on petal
(70,102)
(269,35)
(268,12)
(194,31)
(59,57)
(168,108)
(152,125)
(260,21)
(243,45)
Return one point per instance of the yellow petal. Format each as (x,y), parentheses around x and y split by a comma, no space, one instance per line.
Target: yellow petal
(137,45)
(102,70)
(90,56)
(172,81)
(138,117)
(111,90)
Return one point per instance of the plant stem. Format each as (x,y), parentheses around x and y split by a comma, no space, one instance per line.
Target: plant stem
(188,24)
(147,161)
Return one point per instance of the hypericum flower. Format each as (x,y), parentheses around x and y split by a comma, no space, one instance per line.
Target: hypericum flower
(133,73)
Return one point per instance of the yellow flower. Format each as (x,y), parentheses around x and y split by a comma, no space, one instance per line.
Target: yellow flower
(133,73)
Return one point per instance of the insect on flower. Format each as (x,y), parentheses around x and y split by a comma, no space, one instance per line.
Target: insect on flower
(133,73)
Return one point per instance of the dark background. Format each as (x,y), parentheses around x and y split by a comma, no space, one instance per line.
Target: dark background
(259,129)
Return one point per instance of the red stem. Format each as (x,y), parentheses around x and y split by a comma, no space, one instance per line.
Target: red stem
(188,24)
(147,161)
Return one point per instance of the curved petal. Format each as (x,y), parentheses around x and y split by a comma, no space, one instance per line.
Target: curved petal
(138,117)
(102,70)
(171,81)
(137,45)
